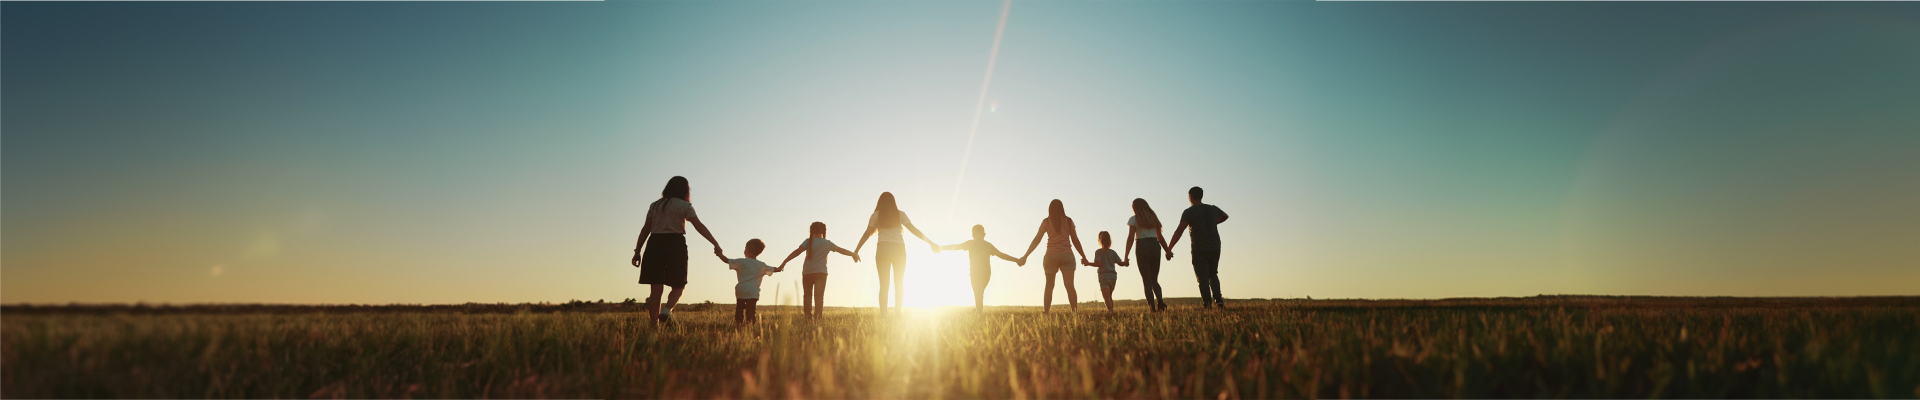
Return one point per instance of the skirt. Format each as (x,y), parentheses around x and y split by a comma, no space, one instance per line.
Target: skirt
(665,260)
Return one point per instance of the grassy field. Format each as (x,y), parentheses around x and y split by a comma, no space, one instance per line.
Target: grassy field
(1547,347)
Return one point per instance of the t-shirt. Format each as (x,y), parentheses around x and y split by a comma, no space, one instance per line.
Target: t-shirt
(889,234)
(1205,221)
(1106,259)
(817,251)
(669,215)
(1142,233)
(979,252)
(751,271)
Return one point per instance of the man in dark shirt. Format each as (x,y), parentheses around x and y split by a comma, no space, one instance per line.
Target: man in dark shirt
(1205,220)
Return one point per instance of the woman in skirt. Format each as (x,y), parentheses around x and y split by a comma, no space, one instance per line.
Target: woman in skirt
(664,262)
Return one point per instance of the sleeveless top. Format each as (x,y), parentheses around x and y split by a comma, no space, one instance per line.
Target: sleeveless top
(1058,240)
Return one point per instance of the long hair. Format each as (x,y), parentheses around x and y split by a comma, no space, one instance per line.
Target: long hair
(677,188)
(1057,215)
(1143,215)
(817,230)
(889,211)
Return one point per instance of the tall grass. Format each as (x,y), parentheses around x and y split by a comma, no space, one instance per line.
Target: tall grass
(1548,348)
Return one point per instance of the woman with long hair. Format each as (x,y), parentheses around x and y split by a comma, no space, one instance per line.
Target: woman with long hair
(664,238)
(1062,242)
(1144,227)
(890,254)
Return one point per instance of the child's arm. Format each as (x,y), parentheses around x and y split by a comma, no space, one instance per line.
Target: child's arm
(849,253)
(796,253)
(961,246)
(724,259)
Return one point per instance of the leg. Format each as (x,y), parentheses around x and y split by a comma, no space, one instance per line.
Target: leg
(806,296)
(820,296)
(653,303)
(899,288)
(1200,275)
(980,278)
(673,298)
(1212,280)
(1073,297)
(885,274)
(739,311)
(1107,293)
(752,304)
(1046,302)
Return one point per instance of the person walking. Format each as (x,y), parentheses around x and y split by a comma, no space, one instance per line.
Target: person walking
(890,253)
(1144,228)
(1063,241)
(663,263)
(1205,220)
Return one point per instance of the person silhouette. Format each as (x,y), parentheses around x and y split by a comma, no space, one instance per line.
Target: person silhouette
(664,238)
(890,253)
(1205,220)
(1144,228)
(1062,242)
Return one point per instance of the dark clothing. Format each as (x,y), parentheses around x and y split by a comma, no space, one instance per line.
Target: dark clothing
(743,311)
(1206,267)
(813,294)
(665,260)
(1204,219)
(1147,252)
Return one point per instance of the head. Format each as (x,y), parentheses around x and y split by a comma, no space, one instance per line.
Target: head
(888,210)
(1143,215)
(754,247)
(817,230)
(677,188)
(1106,240)
(1194,194)
(1056,210)
(979,232)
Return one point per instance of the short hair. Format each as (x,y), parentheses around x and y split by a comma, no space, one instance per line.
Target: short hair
(1106,239)
(754,247)
(979,231)
(818,229)
(1195,193)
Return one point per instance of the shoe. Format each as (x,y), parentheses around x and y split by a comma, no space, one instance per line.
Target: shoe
(664,319)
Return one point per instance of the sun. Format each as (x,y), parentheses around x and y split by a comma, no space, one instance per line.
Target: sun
(938,280)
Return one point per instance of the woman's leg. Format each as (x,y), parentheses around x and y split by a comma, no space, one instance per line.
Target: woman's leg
(885,274)
(1046,302)
(653,303)
(899,288)
(673,298)
(1073,297)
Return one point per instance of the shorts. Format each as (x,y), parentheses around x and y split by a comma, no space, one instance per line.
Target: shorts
(1107,279)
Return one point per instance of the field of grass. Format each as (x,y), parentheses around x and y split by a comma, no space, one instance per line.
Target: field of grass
(1540,347)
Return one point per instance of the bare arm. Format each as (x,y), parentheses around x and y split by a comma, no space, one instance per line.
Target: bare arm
(1073,233)
(1160,235)
(646,229)
(1223,215)
(796,253)
(863,238)
(709,235)
(1176,234)
(916,232)
(1131,233)
(856,256)
(724,259)
(1036,240)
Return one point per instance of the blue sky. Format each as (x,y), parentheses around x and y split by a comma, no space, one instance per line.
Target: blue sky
(456,152)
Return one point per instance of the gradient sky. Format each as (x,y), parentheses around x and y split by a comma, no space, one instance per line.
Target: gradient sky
(360,152)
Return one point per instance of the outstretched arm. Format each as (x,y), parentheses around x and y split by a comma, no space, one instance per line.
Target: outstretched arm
(1131,233)
(856,256)
(1160,235)
(725,260)
(916,232)
(1036,240)
(796,253)
(863,238)
(1176,234)
(709,235)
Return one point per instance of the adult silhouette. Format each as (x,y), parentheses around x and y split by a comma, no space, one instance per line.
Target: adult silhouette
(1063,241)
(1205,220)
(890,253)
(664,238)
(1144,227)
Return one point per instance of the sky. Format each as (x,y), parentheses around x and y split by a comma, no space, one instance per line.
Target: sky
(366,152)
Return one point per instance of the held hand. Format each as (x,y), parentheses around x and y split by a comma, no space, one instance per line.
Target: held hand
(718,252)
(856,257)
(1169,255)
(1084,261)
(936,248)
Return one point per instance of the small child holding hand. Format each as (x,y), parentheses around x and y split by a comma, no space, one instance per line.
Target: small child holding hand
(747,293)
(979,252)
(1106,258)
